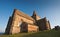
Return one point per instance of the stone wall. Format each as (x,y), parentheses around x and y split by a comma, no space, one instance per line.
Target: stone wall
(43,24)
(20,22)
(7,30)
(33,28)
(16,22)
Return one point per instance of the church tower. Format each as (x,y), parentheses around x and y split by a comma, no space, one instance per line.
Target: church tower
(35,16)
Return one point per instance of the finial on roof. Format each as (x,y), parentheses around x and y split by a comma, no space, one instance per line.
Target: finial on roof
(34,12)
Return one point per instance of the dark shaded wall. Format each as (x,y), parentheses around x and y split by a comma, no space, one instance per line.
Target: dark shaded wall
(24,27)
(8,25)
(43,24)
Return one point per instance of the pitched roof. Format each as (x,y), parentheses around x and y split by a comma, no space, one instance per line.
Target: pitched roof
(23,14)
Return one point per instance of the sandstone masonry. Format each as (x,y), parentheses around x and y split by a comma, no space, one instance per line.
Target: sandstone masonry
(20,22)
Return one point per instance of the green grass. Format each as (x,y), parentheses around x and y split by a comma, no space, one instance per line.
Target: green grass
(51,33)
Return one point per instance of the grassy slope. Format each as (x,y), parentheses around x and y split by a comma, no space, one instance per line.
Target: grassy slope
(51,33)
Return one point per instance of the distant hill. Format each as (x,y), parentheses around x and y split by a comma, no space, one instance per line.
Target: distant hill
(51,33)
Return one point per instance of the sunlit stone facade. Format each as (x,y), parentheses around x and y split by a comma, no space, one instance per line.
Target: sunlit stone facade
(20,22)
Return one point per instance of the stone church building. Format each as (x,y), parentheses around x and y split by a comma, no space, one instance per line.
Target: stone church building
(21,22)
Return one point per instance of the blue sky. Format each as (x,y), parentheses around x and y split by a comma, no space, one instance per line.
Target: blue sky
(44,8)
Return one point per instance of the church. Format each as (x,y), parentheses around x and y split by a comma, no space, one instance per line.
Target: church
(20,22)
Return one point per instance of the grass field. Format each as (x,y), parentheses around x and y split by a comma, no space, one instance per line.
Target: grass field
(51,33)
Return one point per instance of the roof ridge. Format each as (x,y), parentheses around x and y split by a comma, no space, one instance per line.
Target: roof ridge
(23,14)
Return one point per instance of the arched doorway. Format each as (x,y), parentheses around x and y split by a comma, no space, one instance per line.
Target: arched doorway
(24,27)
